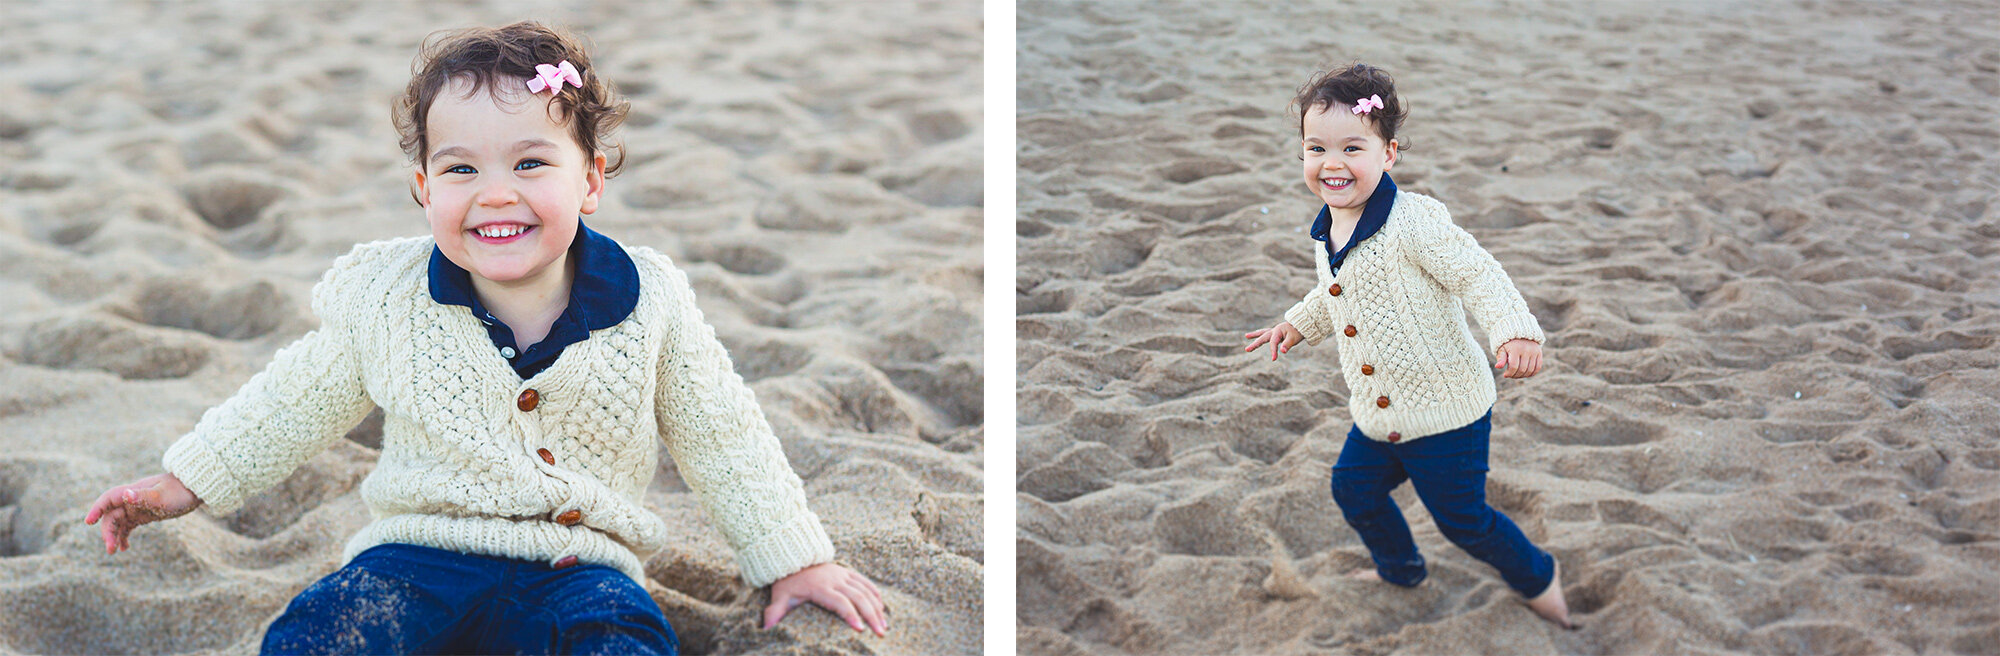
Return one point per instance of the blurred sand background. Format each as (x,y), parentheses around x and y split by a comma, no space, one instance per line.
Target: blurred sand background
(1764,239)
(173,178)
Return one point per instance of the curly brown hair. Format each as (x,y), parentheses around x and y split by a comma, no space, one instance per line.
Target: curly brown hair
(1342,87)
(508,55)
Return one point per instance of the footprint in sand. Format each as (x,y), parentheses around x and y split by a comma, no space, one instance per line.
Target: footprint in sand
(232,199)
(131,350)
(239,312)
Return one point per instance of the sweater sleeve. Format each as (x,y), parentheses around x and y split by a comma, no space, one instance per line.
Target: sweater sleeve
(725,449)
(309,396)
(1310,320)
(1452,257)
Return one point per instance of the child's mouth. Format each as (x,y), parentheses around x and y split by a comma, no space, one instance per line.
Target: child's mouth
(501,233)
(1336,184)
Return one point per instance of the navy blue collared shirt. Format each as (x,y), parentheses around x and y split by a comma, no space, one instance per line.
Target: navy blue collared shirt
(1373,216)
(605,291)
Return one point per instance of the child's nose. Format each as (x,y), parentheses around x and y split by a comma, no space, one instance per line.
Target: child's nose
(497,194)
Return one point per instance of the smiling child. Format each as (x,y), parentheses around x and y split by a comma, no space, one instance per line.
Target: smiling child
(527,368)
(1395,280)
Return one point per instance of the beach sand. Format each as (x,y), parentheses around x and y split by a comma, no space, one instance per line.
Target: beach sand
(1764,239)
(175,179)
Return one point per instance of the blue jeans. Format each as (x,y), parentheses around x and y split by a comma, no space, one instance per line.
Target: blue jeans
(1448,471)
(406,599)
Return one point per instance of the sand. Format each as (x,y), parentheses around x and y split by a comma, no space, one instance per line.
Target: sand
(1764,239)
(175,179)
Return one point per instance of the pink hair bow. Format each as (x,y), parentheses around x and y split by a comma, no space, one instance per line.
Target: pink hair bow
(1361,106)
(552,77)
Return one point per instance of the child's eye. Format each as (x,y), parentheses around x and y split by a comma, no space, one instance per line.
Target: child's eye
(1353,149)
(530,164)
(460,169)
(1315,149)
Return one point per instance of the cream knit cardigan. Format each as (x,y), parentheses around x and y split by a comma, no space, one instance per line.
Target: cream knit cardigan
(1400,290)
(462,466)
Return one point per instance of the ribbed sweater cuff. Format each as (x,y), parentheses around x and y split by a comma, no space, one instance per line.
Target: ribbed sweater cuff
(203,472)
(1310,321)
(792,547)
(1520,325)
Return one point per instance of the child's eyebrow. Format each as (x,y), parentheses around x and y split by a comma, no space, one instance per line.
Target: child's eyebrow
(524,144)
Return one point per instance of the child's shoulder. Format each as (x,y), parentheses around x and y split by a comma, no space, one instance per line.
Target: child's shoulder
(657,272)
(372,265)
(385,255)
(1420,206)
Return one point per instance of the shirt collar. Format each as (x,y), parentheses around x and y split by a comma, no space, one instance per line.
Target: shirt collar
(605,291)
(1373,216)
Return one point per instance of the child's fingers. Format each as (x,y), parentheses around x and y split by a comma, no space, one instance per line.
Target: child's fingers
(1502,364)
(105,502)
(1256,342)
(781,603)
(881,607)
(108,529)
(844,607)
(869,607)
(1254,333)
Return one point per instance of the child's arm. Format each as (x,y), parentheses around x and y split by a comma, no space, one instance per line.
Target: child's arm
(1305,319)
(308,396)
(295,408)
(726,452)
(1454,258)
(1301,324)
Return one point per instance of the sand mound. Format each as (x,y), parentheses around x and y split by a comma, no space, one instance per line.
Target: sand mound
(178,178)
(1762,238)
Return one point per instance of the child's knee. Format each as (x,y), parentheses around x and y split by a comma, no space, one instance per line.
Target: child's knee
(1352,491)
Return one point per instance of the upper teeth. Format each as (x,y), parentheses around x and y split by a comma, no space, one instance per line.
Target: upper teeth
(501,231)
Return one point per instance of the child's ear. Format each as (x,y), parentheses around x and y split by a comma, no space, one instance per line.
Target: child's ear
(593,184)
(420,192)
(1391,162)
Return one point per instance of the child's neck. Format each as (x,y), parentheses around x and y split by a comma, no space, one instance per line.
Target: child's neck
(1341,229)
(529,306)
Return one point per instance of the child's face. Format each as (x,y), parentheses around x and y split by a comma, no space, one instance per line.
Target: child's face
(504,182)
(1344,157)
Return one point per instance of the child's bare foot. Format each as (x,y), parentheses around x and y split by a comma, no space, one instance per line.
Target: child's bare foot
(1365,574)
(1550,604)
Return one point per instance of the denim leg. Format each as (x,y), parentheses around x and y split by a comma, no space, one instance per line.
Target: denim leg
(1448,471)
(391,599)
(1362,479)
(588,609)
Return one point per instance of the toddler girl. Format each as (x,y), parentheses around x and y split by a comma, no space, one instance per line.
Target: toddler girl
(1395,279)
(526,365)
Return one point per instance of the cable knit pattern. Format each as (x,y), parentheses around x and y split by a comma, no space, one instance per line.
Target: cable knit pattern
(1405,292)
(461,465)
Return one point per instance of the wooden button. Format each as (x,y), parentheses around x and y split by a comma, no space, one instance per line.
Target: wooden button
(529,399)
(546,456)
(1349,332)
(565,561)
(569,518)
(1367,370)
(1334,290)
(1381,402)
(1395,437)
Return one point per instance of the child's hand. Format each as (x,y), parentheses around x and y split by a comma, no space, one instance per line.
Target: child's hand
(844,591)
(1520,357)
(1282,338)
(151,499)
